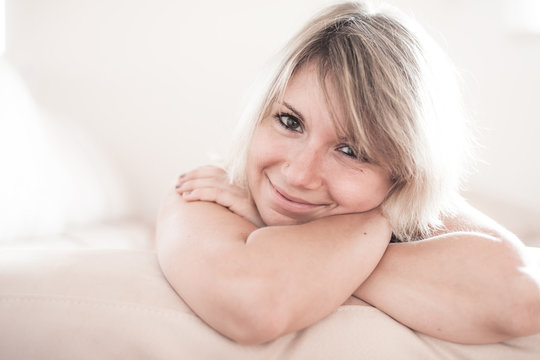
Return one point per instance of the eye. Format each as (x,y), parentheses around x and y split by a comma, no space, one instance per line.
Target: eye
(348,151)
(289,122)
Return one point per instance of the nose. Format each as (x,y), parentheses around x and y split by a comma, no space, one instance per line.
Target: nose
(304,169)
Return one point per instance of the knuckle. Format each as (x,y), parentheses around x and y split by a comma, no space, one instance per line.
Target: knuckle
(219,193)
(206,194)
(224,197)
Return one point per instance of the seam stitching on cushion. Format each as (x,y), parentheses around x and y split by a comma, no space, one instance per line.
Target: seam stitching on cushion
(357,308)
(94,303)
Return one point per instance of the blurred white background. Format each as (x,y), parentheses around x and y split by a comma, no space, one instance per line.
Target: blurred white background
(157,85)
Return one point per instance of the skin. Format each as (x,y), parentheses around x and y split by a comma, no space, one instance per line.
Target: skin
(311,235)
(300,168)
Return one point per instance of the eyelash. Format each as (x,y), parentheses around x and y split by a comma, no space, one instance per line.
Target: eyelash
(352,155)
(279,117)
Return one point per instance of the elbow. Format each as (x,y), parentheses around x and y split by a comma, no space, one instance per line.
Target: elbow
(523,317)
(522,308)
(256,330)
(511,306)
(258,320)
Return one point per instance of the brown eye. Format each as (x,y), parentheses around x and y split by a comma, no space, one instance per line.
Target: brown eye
(289,122)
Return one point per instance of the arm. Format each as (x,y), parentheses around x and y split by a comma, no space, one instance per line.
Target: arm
(472,284)
(253,285)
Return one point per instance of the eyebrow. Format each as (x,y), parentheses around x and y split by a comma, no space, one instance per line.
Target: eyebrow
(296,112)
(347,139)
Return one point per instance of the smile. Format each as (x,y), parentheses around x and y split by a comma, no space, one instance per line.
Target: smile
(290,203)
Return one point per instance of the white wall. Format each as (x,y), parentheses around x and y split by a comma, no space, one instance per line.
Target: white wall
(160,83)
(2,27)
(500,65)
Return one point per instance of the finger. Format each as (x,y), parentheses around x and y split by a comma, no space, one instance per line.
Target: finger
(211,182)
(211,194)
(203,172)
(235,201)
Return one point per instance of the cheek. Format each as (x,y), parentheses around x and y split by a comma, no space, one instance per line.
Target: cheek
(259,156)
(359,193)
(266,149)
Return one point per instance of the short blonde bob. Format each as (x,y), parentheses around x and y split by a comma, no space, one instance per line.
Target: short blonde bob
(399,97)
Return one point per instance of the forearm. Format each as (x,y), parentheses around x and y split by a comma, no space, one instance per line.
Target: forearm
(283,279)
(320,263)
(467,288)
(191,260)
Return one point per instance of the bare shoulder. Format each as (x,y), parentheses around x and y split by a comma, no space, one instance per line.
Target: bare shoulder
(468,219)
(199,219)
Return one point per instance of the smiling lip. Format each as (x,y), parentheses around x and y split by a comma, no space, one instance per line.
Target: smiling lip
(289,202)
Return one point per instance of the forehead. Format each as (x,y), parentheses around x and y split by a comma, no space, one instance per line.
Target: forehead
(314,95)
(332,95)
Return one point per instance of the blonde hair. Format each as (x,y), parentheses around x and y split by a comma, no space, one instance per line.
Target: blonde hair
(399,97)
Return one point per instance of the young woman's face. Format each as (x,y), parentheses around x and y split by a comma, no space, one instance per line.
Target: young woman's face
(299,168)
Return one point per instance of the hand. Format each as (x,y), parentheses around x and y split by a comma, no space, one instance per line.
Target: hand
(211,183)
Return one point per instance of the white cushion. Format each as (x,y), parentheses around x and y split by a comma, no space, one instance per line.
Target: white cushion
(112,302)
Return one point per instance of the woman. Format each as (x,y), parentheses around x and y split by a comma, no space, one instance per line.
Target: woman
(346,183)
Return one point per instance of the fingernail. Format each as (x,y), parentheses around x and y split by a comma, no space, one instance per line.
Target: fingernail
(182,175)
(178,186)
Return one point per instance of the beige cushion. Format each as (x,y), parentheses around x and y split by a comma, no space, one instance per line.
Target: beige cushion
(93,302)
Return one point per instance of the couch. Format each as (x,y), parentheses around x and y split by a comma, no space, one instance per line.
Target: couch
(79,277)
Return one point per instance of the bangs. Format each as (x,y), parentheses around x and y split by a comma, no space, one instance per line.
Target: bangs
(351,105)
(392,95)
(371,87)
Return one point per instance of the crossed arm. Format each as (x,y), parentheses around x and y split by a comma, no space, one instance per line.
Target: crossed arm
(466,287)
(254,284)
